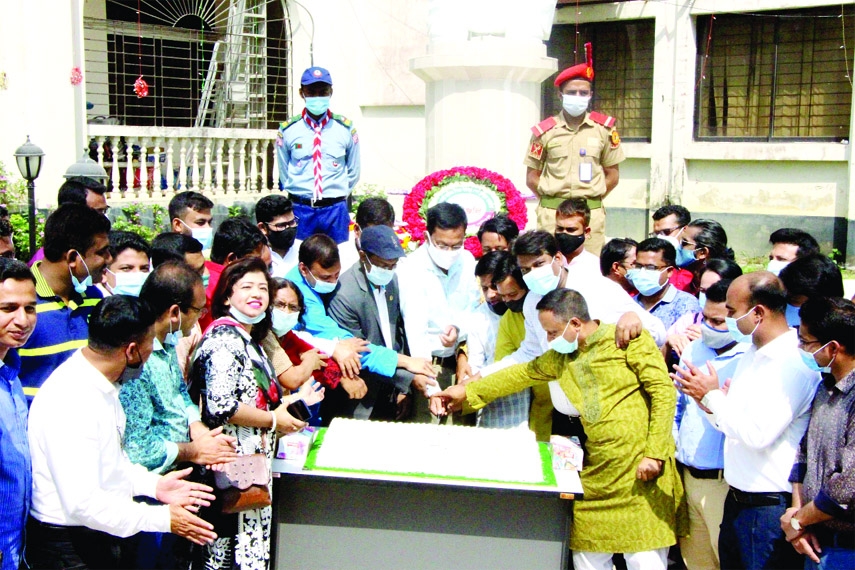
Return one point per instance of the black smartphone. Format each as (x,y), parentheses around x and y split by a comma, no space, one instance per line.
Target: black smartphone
(299,410)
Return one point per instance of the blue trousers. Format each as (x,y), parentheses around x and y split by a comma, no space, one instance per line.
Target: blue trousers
(751,538)
(331,220)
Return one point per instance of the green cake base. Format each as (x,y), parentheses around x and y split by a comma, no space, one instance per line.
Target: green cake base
(545,461)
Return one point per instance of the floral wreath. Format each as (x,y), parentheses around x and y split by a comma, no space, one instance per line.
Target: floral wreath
(506,199)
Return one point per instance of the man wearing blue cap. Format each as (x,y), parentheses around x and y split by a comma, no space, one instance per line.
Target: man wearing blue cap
(368,305)
(318,155)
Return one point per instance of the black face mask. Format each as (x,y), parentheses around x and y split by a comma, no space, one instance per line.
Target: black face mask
(282,239)
(499,308)
(567,244)
(516,306)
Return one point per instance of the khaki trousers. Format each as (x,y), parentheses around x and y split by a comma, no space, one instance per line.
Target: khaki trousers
(706,509)
(546,221)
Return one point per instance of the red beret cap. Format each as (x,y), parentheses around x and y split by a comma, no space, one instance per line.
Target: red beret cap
(579,71)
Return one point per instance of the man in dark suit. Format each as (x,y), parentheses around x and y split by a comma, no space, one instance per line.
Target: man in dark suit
(367,305)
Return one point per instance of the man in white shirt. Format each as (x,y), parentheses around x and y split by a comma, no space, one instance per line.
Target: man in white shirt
(544,269)
(83,483)
(275,217)
(438,292)
(572,230)
(763,413)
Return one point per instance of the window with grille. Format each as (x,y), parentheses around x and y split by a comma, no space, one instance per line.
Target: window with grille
(623,71)
(782,76)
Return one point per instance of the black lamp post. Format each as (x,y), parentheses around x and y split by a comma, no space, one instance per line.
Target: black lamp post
(29,158)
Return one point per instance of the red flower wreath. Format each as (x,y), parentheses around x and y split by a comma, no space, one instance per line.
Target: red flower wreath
(415,204)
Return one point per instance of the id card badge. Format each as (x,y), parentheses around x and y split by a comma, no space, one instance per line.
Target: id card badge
(586,171)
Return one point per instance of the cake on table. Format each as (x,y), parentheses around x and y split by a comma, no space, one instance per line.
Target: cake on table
(505,455)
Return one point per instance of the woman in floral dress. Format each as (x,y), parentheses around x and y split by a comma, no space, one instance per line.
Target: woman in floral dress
(237,387)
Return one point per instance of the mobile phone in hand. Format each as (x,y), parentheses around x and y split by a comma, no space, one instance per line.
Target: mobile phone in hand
(299,410)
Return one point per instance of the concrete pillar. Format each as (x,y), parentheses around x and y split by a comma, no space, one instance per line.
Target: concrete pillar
(850,187)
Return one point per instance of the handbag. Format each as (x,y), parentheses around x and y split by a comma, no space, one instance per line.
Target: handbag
(244,483)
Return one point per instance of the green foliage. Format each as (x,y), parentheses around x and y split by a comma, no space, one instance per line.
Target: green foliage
(363,191)
(138,219)
(13,196)
(13,193)
(237,211)
(21,234)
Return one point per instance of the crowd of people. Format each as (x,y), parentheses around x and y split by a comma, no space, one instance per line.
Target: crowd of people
(715,406)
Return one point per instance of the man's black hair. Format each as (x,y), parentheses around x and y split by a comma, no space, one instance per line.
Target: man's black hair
(565,304)
(507,267)
(536,242)
(6,228)
(72,226)
(717,292)
(121,240)
(683,215)
(188,199)
(812,276)
(806,243)
(669,254)
(830,318)
(375,212)
(487,265)
(168,284)
(172,246)
(574,207)
(271,207)
(615,251)
(73,190)
(238,236)
(724,268)
(446,216)
(117,321)
(500,224)
(15,269)
(320,249)
(713,237)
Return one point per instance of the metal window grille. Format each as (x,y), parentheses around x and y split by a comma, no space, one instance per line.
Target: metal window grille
(623,67)
(207,64)
(770,77)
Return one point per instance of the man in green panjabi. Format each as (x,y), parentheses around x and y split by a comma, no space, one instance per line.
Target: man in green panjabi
(633,497)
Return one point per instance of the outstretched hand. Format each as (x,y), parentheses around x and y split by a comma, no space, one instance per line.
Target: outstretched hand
(449,400)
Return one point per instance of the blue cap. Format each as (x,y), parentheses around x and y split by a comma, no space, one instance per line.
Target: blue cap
(315,75)
(382,242)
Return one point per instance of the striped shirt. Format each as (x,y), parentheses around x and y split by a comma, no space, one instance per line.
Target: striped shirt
(60,330)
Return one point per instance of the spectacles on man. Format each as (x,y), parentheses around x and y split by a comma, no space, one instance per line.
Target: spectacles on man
(651,267)
(283,225)
(665,231)
(201,310)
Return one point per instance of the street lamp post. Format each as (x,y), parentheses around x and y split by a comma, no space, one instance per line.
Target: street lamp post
(29,158)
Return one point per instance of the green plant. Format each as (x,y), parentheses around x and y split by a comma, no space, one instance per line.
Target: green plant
(13,193)
(135,218)
(364,191)
(237,211)
(21,234)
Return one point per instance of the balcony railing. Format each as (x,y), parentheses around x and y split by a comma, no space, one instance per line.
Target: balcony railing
(224,164)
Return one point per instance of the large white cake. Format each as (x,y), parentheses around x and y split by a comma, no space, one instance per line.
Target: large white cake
(508,455)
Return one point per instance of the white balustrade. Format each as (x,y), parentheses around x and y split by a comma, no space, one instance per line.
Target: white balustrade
(224,164)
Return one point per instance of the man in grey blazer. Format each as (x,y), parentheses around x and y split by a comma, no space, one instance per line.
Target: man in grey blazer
(367,305)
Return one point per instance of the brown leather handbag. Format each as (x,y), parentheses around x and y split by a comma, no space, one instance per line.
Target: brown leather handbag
(244,484)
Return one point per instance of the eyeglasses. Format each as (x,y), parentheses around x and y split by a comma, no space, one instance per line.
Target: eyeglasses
(201,310)
(665,231)
(806,343)
(685,242)
(283,225)
(443,247)
(287,307)
(651,267)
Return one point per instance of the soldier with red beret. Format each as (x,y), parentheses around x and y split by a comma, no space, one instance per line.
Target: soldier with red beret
(574,154)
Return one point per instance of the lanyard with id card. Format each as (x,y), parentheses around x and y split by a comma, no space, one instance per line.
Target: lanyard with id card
(586,169)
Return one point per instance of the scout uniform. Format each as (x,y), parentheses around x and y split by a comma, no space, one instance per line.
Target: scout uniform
(319,166)
(571,161)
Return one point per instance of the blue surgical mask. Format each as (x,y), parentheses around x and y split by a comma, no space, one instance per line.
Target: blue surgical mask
(379,276)
(317,105)
(81,286)
(575,105)
(563,346)
(205,280)
(685,257)
(202,235)
(702,299)
(173,337)
(793,318)
(810,361)
(322,287)
(129,283)
(245,319)
(646,281)
(283,322)
(737,334)
(541,280)
(715,338)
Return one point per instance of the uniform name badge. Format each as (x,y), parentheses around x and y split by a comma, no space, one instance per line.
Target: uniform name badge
(586,171)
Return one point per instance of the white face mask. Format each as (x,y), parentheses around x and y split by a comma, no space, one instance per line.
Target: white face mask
(442,257)
(541,280)
(575,105)
(775,266)
(129,283)
(283,322)
(379,276)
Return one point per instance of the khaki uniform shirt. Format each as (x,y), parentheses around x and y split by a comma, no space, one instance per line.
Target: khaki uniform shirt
(556,154)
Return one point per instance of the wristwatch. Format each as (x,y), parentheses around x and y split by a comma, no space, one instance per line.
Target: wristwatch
(794,522)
